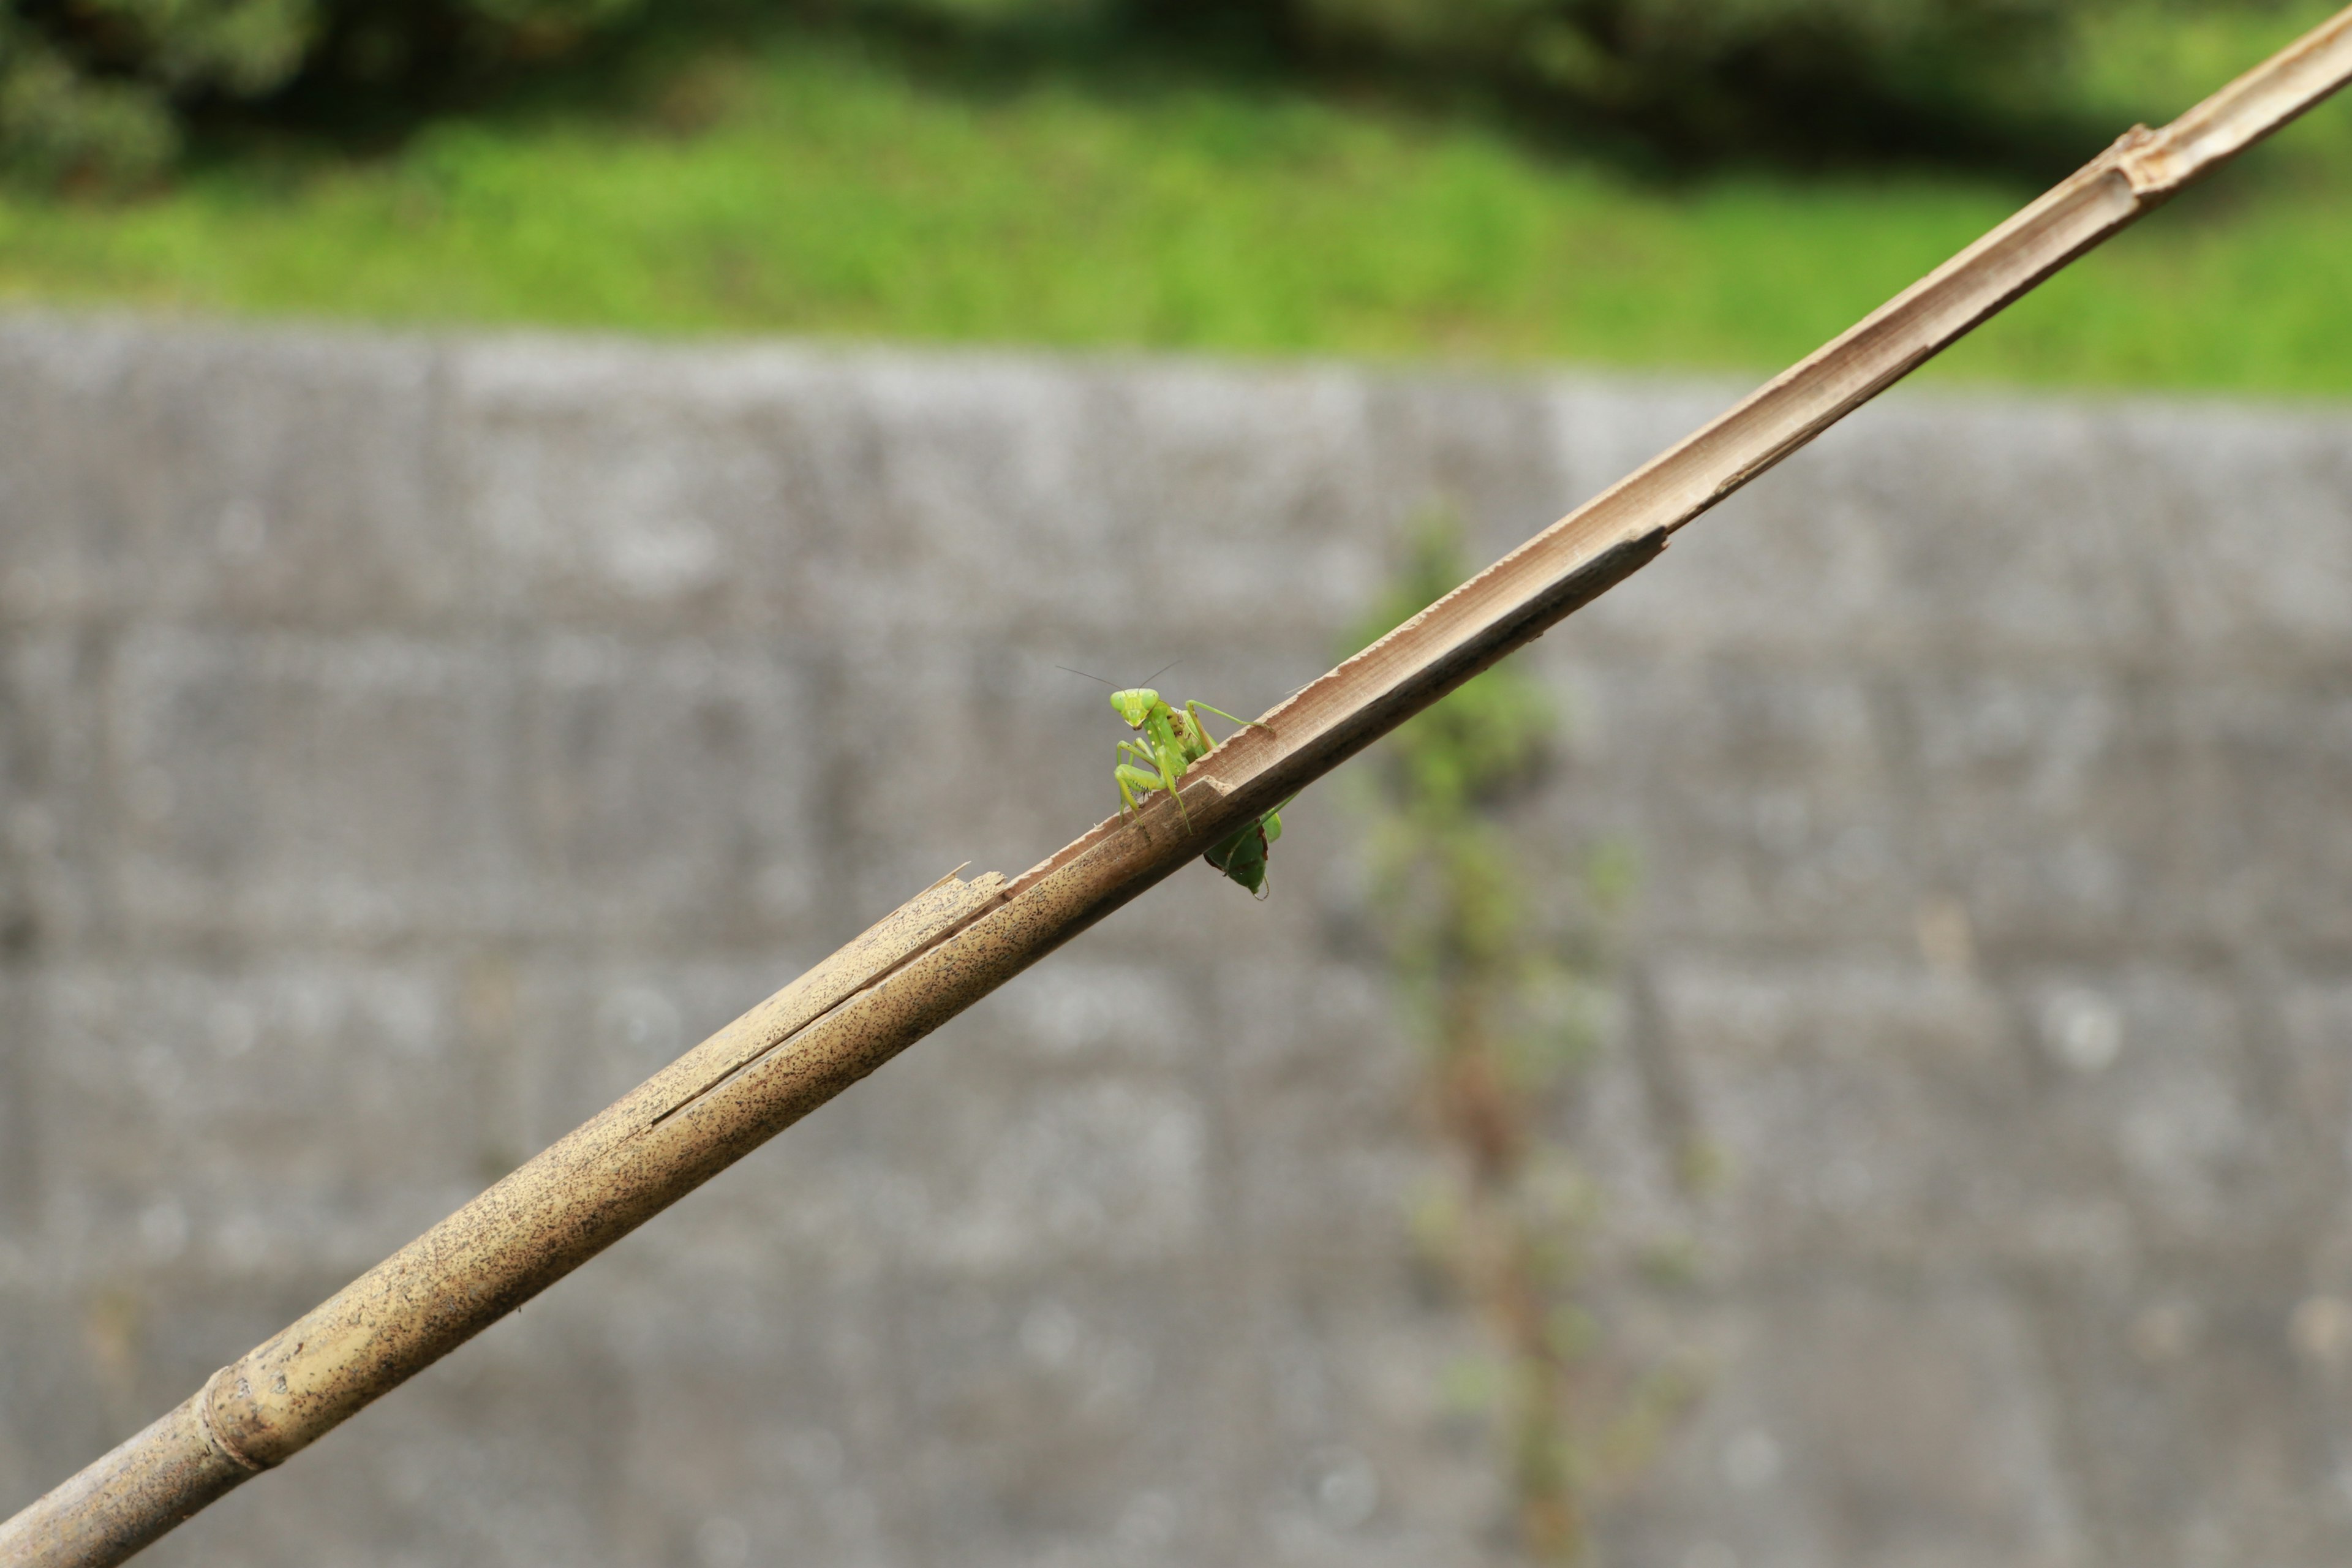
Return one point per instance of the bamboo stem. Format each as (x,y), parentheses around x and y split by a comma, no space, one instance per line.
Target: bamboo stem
(958,940)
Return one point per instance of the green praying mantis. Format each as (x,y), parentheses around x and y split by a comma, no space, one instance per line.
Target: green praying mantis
(1173,742)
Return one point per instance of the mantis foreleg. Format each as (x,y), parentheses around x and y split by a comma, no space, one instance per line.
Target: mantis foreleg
(1171,771)
(1195,708)
(1133,781)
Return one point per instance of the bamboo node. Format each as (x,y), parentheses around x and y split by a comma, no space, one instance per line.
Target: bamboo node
(216,1434)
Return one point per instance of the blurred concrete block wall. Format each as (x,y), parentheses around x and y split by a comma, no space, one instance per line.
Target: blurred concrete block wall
(405,745)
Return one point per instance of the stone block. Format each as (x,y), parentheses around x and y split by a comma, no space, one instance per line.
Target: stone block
(1849,1108)
(20,1111)
(510,1452)
(293,1114)
(1480,447)
(2315,1079)
(2248,524)
(2267,757)
(2199,1430)
(1863,1423)
(1814,838)
(297,786)
(603,483)
(671,790)
(67,1376)
(2057,808)
(281,477)
(2150,1117)
(1173,513)
(56,836)
(576,1033)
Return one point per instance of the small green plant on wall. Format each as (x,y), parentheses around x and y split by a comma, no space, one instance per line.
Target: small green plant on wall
(1505,1003)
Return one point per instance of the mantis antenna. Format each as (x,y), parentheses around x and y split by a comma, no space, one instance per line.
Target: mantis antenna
(1114,685)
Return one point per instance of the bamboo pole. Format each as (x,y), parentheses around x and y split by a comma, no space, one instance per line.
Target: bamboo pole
(957,940)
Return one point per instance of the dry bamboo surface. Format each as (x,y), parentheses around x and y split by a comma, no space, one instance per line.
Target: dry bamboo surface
(957,940)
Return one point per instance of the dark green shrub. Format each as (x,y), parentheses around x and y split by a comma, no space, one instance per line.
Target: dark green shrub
(90,88)
(1715,76)
(1698,78)
(96,91)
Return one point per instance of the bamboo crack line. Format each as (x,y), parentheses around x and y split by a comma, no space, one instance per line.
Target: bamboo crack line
(957,940)
(793,1032)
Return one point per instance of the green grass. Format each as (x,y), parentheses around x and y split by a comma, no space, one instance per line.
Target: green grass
(812,188)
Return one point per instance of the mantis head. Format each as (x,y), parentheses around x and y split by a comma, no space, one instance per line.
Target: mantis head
(1136,705)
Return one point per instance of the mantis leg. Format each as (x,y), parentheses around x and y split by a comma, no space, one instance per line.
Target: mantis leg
(1171,764)
(1133,781)
(1196,709)
(1272,821)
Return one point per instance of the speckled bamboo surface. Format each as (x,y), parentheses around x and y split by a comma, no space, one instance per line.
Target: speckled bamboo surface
(959,940)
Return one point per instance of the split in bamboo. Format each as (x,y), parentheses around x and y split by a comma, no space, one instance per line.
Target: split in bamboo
(957,940)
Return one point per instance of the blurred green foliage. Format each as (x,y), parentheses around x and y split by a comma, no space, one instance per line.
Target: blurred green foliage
(1503,983)
(1475,973)
(1446,872)
(103,92)
(818,183)
(1972,78)
(99,91)
(850,180)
